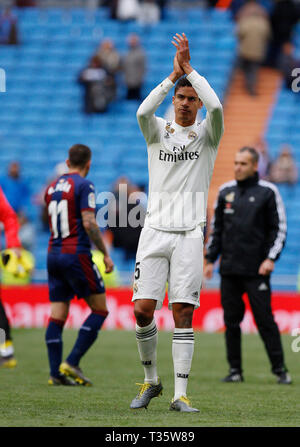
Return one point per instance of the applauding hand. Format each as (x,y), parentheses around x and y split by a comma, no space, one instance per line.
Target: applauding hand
(181,43)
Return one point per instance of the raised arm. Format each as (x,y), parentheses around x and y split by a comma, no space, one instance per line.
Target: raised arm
(145,114)
(214,118)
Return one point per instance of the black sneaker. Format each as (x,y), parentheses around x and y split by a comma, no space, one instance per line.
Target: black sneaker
(284,378)
(234,375)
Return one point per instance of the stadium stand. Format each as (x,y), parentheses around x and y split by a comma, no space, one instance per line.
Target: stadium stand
(282,127)
(245,119)
(41,113)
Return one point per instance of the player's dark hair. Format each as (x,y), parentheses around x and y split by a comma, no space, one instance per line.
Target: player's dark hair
(79,155)
(182,82)
(253,152)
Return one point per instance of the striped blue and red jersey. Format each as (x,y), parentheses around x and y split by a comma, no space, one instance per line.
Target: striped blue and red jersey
(65,199)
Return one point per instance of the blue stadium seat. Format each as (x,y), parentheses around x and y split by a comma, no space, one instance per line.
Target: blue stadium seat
(44,103)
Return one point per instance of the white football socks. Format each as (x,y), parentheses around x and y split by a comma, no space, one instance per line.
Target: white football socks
(182,351)
(146,338)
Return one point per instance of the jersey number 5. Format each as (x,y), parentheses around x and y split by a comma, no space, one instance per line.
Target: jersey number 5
(137,270)
(59,209)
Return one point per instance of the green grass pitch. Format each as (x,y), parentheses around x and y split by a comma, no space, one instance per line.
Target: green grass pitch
(113,366)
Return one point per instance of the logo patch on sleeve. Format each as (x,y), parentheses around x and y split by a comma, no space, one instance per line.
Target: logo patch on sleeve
(92,200)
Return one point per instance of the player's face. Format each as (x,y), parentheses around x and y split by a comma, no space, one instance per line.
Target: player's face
(244,166)
(186,105)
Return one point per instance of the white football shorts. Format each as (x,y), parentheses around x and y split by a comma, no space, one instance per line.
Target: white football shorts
(173,257)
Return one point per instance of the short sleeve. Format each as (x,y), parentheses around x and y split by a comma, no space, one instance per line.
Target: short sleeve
(87,197)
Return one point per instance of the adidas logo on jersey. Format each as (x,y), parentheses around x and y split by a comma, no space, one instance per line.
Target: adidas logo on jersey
(263,286)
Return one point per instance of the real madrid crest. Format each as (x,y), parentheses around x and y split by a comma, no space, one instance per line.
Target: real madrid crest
(230,197)
(169,128)
(192,135)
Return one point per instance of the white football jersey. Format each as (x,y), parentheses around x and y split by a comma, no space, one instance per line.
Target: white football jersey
(180,159)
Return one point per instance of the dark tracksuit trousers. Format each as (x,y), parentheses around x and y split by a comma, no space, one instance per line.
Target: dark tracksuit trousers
(259,294)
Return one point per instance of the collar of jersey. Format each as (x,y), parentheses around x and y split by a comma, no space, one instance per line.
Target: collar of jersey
(186,129)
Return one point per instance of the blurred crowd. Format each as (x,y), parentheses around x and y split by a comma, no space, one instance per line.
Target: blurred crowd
(18,194)
(265,37)
(100,77)
(264,31)
(8,28)
(126,237)
(281,170)
(17,191)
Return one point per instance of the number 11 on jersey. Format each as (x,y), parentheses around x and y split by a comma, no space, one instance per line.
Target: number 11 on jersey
(59,209)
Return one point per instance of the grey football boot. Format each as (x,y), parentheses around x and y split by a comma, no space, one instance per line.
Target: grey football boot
(146,393)
(183,404)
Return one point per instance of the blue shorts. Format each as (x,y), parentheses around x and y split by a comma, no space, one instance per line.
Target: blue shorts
(72,274)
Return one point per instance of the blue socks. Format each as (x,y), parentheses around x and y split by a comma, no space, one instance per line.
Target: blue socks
(87,335)
(54,345)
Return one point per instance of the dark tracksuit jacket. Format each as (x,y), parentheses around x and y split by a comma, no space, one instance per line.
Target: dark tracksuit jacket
(249,226)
